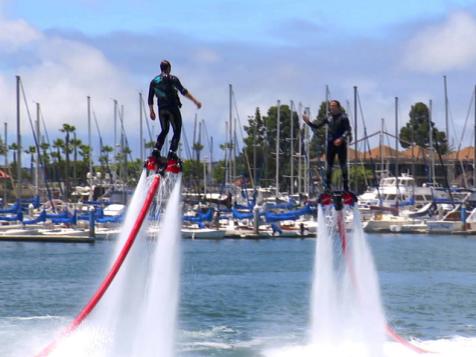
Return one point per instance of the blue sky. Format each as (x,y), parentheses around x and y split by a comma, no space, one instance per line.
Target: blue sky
(268,50)
(219,20)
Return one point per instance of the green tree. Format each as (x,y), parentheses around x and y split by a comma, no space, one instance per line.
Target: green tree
(45,156)
(58,145)
(67,129)
(417,130)
(104,158)
(14,148)
(318,141)
(31,151)
(85,152)
(256,145)
(270,121)
(3,148)
(75,144)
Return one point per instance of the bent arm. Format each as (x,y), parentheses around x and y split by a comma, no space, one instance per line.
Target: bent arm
(347,135)
(150,101)
(150,98)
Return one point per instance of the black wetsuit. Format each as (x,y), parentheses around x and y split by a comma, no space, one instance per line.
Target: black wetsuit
(165,87)
(338,128)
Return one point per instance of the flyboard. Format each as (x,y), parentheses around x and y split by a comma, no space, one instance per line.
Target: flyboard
(161,170)
(339,201)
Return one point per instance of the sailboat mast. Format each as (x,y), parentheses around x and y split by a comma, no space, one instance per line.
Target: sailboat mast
(308,155)
(446,111)
(37,166)
(474,159)
(19,179)
(300,148)
(431,143)
(230,122)
(141,131)
(292,146)
(5,128)
(355,128)
(194,145)
(227,173)
(396,139)
(210,162)
(381,147)
(115,129)
(89,136)
(327,126)
(278,124)
(254,150)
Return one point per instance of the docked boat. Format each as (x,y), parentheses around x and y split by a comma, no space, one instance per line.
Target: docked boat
(202,233)
(402,191)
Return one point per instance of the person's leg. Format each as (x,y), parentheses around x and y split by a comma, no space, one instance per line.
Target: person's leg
(176,121)
(342,153)
(330,162)
(164,118)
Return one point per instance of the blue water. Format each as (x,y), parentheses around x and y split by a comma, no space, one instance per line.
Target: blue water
(242,297)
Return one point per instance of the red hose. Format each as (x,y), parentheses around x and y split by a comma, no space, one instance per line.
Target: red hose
(112,273)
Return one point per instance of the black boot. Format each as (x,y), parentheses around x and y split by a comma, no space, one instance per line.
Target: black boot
(155,154)
(153,160)
(172,156)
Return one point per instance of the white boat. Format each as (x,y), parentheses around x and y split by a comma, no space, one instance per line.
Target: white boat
(402,189)
(450,223)
(202,233)
(409,228)
(382,222)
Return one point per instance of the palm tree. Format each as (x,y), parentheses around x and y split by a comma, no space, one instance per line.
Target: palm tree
(58,144)
(85,152)
(104,159)
(14,148)
(67,129)
(75,143)
(32,151)
(45,156)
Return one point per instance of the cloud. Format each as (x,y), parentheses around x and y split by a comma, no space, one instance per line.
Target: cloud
(16,34)
(59,73)
(443,47)
(61,67)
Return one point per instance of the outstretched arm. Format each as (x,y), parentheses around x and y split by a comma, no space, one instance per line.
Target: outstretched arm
(185,92)
(193,99)
(306,119)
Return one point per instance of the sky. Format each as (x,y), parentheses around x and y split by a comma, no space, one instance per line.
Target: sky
(65,51)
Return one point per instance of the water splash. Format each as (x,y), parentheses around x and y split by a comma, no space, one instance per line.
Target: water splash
(156,334)
(346,311)
(136,316)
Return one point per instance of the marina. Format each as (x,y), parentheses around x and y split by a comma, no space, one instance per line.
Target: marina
(231,179)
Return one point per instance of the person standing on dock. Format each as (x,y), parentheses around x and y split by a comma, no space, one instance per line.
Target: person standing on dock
(165,87)
(338,135)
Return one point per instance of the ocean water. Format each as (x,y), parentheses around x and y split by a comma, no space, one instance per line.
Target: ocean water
(248,298)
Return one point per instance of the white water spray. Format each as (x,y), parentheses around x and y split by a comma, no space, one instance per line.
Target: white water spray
(156,334)
(347,315)
(324,304)
(346,312)
(136,316)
